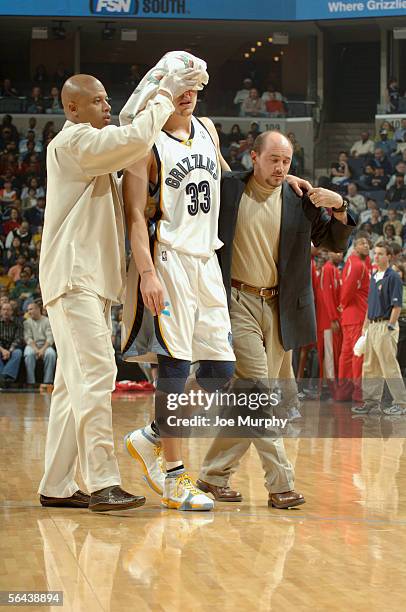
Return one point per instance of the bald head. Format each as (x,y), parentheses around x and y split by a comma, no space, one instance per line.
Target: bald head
(270,140)
(85,100)
(271,156)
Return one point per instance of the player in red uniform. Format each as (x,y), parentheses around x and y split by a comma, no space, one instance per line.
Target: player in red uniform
(354,301)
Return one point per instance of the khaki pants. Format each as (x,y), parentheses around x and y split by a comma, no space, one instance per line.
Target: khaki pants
(80,419)
(260,355)
(381,364)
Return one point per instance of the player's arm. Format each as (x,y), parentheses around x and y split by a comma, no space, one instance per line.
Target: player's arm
(135,194)
(208,123)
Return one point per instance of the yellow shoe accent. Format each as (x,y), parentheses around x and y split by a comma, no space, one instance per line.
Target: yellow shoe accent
(133,452)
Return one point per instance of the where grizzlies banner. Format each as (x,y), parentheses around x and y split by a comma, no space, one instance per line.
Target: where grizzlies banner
(259,10)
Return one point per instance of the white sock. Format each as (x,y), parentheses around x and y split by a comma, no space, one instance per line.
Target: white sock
(171,465)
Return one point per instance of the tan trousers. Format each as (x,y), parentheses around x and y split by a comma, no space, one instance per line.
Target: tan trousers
(381,364)
(260,355)
(80,419)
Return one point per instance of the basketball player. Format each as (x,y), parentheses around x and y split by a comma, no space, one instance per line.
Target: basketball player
(180,284)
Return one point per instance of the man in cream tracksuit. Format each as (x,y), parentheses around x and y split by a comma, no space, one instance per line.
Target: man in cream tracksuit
(82,268)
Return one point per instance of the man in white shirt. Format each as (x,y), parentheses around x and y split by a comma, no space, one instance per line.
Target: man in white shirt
(242,94)
(82,268)
(39,342)
(365,146)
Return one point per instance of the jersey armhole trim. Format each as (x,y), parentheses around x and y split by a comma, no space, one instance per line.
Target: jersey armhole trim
(153,190)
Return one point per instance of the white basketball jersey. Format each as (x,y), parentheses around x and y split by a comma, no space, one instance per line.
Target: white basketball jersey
(188,191)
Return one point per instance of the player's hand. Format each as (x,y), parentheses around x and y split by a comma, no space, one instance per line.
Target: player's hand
(152,293)
(325,197)
(176,83)
(298,184)
(335,326)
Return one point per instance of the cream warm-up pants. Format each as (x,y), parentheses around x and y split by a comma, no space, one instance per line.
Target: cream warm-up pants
(80,420)
(260,355)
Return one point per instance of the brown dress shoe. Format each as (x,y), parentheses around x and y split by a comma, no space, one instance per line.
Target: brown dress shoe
(289,499)
(114,498)
(77,500)
(224,494)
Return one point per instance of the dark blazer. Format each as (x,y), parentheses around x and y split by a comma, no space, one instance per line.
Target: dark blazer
(301,224)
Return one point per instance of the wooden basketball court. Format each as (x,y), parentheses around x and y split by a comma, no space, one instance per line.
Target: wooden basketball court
(343,550)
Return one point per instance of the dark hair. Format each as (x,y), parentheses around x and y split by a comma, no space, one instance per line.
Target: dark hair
(386,246)
(360,236)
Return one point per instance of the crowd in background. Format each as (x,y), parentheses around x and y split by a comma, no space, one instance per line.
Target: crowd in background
(371,176)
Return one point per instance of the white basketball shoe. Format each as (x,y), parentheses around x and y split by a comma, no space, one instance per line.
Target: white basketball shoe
(146,448)
(181,493)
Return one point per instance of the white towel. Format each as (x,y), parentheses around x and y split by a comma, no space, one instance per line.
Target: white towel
(146,89)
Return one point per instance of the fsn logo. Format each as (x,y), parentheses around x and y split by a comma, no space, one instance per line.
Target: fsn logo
(107,7)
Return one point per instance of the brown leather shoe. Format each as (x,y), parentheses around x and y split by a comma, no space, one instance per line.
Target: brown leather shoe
(77,500)
(224,494)
(114,498)
(289,499)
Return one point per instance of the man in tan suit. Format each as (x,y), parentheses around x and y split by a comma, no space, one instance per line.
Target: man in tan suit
(82,268)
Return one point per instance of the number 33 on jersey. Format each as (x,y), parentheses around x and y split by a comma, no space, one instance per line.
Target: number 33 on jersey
(188,191)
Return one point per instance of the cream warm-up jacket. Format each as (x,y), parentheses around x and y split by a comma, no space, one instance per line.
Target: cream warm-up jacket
(83,236)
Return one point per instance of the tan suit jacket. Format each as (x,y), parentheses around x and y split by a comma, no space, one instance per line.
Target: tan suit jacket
(83,237)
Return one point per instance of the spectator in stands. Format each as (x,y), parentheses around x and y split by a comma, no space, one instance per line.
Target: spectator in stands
(13,221)
(6,138)
(35,103)
(11,339)
(235,136)
(274,107)
(5,281)
(252,106)
(394,219)
(356,200)
(22,233)
(363,147)
(24,147)
(254,129)
(35,214)
(246,145)
(401,156)
(39,345)
(379,180)
(134,77)
(380,160)
(388,145)
(15,270)
(400,132)
(8,194)
(400,168)
(33,183)
(29,201)
(48,127)
(7,90)
(54,104)
(223,139)
(233,160)
(60,75)
(397,193)
(298,155)
(40,75)
(340,172)
(366,214)
(7,122)
(242,94)
(392,96)
(369,232)
(389,235)
(25,288)
(32,126)
(376,222)
(271,94)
